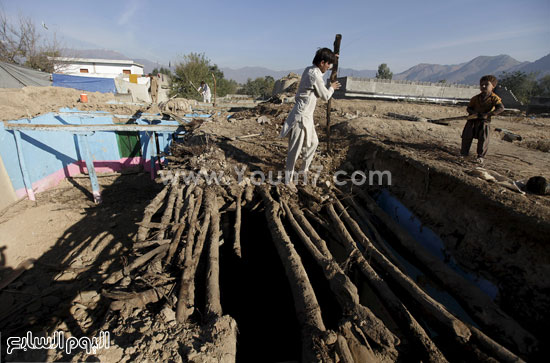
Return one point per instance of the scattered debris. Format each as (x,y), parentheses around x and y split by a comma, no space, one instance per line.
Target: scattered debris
(508,135)
(538,185)
(494,177)
(263,120)
(288,84)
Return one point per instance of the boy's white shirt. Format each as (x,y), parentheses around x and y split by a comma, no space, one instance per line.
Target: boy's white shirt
(311,87)
(204,90)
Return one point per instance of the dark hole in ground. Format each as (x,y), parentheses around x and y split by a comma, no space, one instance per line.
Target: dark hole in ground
(255,292)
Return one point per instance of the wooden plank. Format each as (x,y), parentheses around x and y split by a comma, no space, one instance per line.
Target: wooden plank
(333,76)
(92,128)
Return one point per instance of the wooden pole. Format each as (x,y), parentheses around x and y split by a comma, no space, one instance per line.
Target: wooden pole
(214,78)
(333,76)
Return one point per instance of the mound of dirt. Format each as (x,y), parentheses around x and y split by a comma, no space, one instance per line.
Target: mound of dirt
(31,101)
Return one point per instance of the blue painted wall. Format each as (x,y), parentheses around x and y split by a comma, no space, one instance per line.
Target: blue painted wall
(47,152)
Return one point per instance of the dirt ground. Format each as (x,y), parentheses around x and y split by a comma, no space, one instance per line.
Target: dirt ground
(65,229)
(32,101)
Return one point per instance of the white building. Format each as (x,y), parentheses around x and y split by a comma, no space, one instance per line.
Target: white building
(106,68)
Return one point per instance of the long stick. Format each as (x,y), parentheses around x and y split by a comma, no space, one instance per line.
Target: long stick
(214,78)
(213,304)
(237,244)
(333,76)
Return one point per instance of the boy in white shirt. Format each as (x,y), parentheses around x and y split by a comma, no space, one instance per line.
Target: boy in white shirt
(205,92)
(299,125)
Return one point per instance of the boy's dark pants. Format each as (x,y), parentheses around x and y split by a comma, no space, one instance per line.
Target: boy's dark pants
(475,129)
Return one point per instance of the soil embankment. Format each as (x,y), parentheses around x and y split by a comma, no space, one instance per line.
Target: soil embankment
(486,227)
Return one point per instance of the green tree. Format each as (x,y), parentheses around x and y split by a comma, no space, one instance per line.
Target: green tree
(542,88)
(260,87)
(162,70)
(194,68)
(520,83)
(223,86)
(384,72)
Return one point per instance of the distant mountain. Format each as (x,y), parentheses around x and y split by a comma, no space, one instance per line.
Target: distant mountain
(349,72)
(148,66)
(241,75)
(470,72)
(542,66)
(465,73)
(427,72)
(93,53)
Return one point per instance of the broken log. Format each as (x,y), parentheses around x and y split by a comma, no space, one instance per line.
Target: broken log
(118,275)
(359,347)
(150,210)
(144,244)
(213,304)
(187,252)
(493,348)
(179,232)
(178,206)
(141,299)
(168,211)
(237,242)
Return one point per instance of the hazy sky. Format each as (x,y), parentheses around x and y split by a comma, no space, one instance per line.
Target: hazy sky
(284,35)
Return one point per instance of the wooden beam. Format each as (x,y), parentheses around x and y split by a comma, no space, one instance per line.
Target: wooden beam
(333,76)
(92,128)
